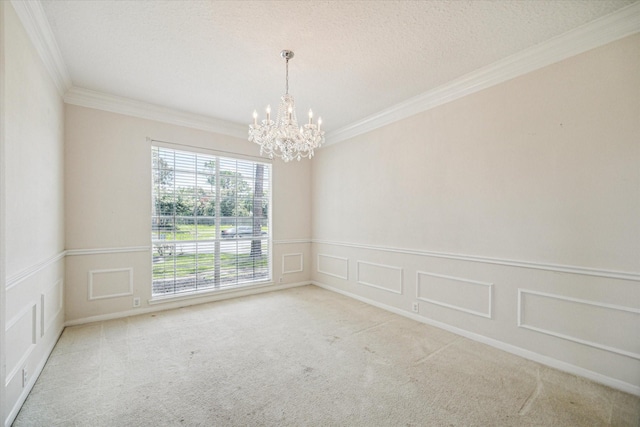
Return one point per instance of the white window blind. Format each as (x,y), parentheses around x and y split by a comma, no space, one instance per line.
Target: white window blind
(210,222)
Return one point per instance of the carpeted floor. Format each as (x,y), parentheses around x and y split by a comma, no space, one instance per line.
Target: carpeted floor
(302,357)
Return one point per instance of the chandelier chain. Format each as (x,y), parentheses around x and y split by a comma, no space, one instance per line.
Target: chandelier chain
(287,78)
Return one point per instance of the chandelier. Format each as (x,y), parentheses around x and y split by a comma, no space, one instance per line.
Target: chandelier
(283,138)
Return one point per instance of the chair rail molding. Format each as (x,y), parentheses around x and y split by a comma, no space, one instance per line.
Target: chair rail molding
(35,268)
(100,251)
(586,271)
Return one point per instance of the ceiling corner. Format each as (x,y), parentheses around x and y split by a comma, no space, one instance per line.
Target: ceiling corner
(36,25)
(131,107)
(599,32)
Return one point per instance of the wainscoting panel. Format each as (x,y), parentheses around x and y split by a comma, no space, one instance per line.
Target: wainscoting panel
(577,319)
(333,266)
(469,296)
(292,263)
(50,306)
(609,327)
(21,333)
(612,274)
(386,277)
(110,283)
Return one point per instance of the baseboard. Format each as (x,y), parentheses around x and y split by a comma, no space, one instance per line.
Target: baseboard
(32,381)
(509,348)
(185,301)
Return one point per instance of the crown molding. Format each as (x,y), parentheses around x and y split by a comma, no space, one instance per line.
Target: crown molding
(131,107)
(35,23)
(619,24)
(607,29)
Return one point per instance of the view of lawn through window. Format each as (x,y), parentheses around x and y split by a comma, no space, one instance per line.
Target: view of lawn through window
(210,222)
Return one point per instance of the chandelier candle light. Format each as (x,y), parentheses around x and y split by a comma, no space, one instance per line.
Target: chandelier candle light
(283,138)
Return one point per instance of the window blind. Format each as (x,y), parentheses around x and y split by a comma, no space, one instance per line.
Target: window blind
(210,221)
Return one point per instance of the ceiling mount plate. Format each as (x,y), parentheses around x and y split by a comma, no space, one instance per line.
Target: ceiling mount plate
(287,54)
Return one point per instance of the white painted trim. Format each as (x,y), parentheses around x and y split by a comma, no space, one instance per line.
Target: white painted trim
(299,254)
(234,289)
(101,251)
(31,307)
(4,418)
(19,364)
(19,315)
(19,277)
(488,315)
(390,267)
(332,274)
(521,324)
(131,107)
(41,315)
(27,272)
(610,274)
(110,270)
(500,345)
(32,381)
(291,241)
(619,24)
(44,327)
(36,25)
(185,301)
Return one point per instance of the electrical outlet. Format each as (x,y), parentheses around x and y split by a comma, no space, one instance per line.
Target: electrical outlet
(415,307)
(281,279)
(136,301)
(25,377)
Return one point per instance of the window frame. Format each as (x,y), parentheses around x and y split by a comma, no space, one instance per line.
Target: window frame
(218,239)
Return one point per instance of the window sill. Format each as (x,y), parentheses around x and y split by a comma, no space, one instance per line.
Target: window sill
(160,299)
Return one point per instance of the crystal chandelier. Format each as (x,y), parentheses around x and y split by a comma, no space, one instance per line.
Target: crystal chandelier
(283,138)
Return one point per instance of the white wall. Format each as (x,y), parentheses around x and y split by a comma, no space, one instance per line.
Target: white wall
(108,207)
(506,213)
(3,258)
(33,196)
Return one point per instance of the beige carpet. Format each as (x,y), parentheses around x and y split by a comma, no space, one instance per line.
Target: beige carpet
(302,357)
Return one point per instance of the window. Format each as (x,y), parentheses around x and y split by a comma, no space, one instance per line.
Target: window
(210,222)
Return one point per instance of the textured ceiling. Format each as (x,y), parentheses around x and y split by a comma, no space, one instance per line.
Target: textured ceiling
(352,58)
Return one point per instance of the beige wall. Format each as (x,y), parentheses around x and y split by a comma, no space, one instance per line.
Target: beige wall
(108,206)
(33,192)
(509,216)
(479,205)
